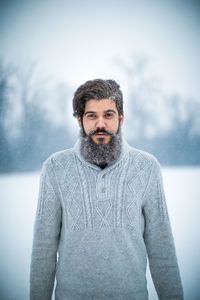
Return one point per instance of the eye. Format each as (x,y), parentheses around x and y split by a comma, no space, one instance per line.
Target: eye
(91,116)
(109,115)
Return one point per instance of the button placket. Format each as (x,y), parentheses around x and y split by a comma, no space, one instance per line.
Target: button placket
(101,189)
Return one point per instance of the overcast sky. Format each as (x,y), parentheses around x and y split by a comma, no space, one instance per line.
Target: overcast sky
(80,40)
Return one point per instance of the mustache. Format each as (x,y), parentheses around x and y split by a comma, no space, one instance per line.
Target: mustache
(99,130)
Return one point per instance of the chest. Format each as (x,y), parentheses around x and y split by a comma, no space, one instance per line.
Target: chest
(100,199)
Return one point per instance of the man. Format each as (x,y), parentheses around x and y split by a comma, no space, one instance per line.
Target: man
(101,212)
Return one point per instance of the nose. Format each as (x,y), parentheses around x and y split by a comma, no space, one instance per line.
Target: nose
(100,123)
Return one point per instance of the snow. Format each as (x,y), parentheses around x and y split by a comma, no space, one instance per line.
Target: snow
(18,204)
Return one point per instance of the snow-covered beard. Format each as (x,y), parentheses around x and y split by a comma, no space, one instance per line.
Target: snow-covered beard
(101,154)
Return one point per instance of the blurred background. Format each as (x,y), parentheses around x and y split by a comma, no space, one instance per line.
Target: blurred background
(47,49)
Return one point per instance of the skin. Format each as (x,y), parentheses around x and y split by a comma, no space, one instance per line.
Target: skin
(101,115)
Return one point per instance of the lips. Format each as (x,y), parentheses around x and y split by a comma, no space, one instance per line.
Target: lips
(98,132)
(101,133)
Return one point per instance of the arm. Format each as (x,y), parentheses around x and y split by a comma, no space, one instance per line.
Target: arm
(46,237)
(159,240)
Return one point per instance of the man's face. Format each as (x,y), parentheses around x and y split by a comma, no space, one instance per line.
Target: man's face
(100,120)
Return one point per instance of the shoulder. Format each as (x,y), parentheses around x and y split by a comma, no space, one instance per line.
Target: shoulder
(143,159)
(141,155)
(60,159)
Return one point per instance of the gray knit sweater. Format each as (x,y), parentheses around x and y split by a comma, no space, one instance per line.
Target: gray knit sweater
(95,227)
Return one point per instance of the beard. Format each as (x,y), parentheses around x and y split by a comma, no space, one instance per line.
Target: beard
(101,154)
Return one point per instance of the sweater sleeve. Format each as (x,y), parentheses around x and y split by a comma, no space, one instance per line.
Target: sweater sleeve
(46,236)
(159,240)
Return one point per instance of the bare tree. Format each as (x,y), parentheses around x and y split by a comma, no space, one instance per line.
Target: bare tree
(165,124)
(35,123)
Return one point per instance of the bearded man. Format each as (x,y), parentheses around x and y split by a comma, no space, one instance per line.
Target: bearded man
(102,212)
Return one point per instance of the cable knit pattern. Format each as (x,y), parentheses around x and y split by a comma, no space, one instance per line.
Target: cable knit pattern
(95,227)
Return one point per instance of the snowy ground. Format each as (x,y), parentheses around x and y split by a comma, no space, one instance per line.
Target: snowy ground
(18,204)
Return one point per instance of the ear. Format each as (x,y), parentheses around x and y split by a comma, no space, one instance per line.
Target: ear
(79,121)
(121,119)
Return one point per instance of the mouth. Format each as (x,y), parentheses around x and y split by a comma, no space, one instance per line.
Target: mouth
(101,134)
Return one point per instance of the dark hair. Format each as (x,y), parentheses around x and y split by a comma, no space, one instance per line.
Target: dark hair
(97,89)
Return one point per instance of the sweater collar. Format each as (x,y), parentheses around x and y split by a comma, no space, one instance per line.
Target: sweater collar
(123,155)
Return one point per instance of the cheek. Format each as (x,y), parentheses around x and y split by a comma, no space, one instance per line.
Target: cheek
(115,125)
(88,126)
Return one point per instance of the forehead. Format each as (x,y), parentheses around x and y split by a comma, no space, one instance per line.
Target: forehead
(100,105)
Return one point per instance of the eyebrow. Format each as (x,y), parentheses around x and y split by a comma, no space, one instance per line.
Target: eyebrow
(110,110)
(106,111)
